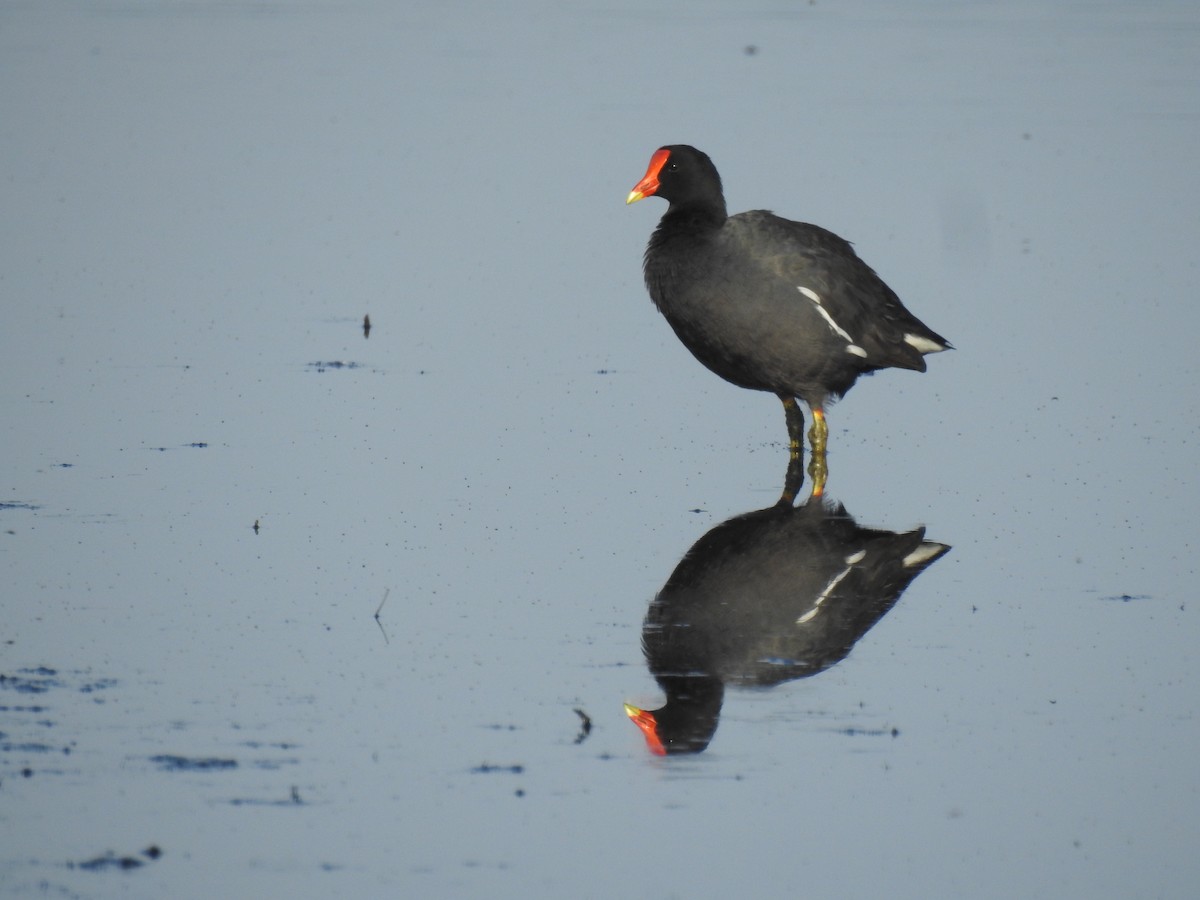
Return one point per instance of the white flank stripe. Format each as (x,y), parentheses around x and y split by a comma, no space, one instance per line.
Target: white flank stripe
(856,350)
(838,329)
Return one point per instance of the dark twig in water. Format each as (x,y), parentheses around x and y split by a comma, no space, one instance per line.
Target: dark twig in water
(366,326)
(111,861)
(585,726)
(378,610)
(489,768)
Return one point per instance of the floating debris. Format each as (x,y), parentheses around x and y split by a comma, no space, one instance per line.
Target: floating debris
(585,726)
(378,610)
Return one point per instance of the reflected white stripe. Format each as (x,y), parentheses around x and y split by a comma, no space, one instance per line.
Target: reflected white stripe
(924,551)
(833,583)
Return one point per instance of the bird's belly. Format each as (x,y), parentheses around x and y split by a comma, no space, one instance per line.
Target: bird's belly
(767,350)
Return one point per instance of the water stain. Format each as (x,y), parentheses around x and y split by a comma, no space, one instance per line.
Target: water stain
(293,799)
(110,860)
(26,725)
(1126,598)
(170,762)
(193,445)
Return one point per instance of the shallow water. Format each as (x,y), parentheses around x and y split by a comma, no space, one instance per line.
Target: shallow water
(463,518)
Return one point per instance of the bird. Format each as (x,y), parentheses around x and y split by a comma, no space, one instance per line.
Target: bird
(764,598)
(770,304)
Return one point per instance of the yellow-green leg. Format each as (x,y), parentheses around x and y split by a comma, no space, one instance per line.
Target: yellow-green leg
(795,425)
(794,479)
(818,438)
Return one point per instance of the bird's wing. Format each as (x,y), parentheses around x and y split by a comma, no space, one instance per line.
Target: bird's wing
(826,272)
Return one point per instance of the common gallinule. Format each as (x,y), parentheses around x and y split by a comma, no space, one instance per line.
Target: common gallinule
(764,598)
(770,304)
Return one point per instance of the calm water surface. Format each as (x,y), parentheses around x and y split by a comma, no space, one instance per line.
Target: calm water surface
(464,518)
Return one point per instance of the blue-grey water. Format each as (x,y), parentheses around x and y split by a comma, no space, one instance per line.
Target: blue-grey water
(463,518)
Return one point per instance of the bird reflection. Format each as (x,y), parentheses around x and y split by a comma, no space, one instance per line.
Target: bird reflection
(764,598)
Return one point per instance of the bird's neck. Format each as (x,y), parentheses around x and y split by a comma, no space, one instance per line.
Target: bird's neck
(694,217)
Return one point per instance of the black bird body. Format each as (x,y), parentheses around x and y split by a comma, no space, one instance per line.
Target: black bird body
(764,598)
(732,295)
(767,303)
(779,594)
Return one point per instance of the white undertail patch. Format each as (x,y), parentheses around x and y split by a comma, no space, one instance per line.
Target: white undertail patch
(923,345)
(926,550)
(837,329)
